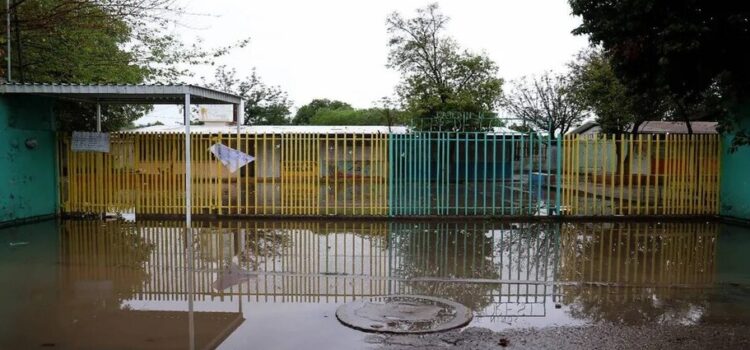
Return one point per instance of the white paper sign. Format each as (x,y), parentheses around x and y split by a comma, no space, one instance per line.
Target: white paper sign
(230,157)
(90,142)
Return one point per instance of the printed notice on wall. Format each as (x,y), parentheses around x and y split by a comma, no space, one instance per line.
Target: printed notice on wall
(90,142)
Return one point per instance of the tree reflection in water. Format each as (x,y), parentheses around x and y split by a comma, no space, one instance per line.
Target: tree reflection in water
(476,264)
(622,272)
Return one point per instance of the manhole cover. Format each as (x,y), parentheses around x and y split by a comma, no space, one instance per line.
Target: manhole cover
(404,314)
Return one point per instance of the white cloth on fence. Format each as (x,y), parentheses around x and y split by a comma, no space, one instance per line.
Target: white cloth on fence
(230,157)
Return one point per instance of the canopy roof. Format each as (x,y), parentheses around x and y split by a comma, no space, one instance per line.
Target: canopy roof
(123,93)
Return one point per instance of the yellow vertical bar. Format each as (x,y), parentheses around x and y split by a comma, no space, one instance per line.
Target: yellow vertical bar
(273,170)
(630,174)
(575,190)
(362,175)
(258,158)
(683,173)
(696,157)
(621,140)
(649,138)
(162,183)
(146,177)
(161,154)
(702,169)
(284,158)
(612,164)
(326,172)
(301,190)
(246,203)
(659,176)
(371,173)
(706,174)
(677,174)
(346,159)
(640,174)
(236,200)
(264,170)
(595,182)
(666,176)
(586,178)
(287,148)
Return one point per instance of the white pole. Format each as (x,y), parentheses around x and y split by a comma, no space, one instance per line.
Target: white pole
(188,230)
(188,186)
(98,117)
(239,115)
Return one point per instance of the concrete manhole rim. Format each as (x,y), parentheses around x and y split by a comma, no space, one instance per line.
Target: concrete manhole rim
(463,315)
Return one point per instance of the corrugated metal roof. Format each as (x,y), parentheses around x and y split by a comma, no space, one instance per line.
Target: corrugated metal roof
(293,129)
(654,127)
(123,93)
(275,129)
(659,127)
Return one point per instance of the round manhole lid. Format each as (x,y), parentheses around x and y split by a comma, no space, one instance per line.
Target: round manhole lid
(406,314)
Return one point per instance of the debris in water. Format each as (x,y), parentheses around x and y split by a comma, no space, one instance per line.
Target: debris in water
(18,244)
(504,342)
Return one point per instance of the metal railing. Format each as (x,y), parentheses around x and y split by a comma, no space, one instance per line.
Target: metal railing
(432,173)
(641,175)
(469,174)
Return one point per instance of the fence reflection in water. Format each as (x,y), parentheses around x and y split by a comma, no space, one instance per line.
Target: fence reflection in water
(490,267)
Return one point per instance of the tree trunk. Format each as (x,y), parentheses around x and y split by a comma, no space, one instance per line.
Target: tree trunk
(688,125)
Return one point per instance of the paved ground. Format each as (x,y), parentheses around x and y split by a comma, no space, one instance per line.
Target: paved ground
(602,336)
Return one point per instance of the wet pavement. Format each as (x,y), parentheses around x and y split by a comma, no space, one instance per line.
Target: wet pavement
(78,284)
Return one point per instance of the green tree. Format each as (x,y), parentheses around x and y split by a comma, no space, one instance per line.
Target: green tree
(546,103)
(436,75)
(594,84)
(693,52)
(264,104)
(96,41)
(306,112)
(350,116)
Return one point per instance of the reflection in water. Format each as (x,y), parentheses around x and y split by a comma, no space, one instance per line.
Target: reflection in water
(596,268)
(113,274)
(639,272)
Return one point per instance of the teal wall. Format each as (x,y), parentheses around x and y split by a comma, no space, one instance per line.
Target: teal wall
(735,178)
(28,177)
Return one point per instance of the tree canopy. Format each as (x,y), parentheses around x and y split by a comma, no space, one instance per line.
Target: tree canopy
(594,85)
(349,116)
(546,102)
(692,53)
(96,41)
(436,74)
(264,104)
(305,113)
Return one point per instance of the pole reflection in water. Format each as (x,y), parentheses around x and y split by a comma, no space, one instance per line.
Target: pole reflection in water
(502,271)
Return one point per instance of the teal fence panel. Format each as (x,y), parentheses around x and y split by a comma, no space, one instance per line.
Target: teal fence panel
(470,174)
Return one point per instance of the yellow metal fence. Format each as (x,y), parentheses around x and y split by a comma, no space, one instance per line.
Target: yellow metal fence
(640,175)
(348,175)
(293,174)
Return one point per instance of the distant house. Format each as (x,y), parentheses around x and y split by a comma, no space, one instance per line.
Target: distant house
(653,128)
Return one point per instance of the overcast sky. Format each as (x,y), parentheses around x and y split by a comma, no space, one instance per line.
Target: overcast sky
(337,49)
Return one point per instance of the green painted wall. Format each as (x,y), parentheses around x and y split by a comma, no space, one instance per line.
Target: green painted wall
(28,177)
(735,177)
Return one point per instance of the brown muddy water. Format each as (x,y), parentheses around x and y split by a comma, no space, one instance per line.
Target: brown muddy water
(78,284)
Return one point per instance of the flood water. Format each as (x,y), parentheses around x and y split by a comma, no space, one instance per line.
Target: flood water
(79,284)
